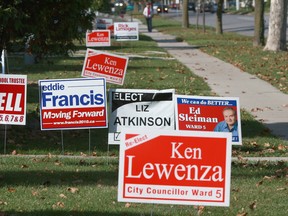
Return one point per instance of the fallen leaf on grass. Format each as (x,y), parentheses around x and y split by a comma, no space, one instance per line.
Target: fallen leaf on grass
(11,190)
(242,160)
(281,189)
(236,190)
(200,210)
(269,178)
(256,109)
(62,196)
(58,163)
(83,154)
(127,205)
(252,206)
(266,145)
(259,183)
(282,147)
(270,150)
(3,202)
(73,189)
(34,193)
(58,204)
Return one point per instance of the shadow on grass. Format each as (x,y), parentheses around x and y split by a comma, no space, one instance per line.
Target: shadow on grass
(31,140)
(280,129)
(70,213)
(52,177)
(253,128)
(259,170)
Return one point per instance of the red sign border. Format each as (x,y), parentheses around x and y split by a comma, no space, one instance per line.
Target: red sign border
(156,133)
(98,44)
(74,128)
(97,74)
(25,95)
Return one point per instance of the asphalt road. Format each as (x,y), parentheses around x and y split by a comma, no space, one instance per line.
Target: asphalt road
(242,24)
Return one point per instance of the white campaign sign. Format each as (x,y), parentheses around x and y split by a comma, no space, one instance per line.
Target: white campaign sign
(142,109)
(125,31)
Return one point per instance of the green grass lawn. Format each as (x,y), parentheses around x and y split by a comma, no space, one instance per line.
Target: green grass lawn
(149,67)
(53,185)
(50,185)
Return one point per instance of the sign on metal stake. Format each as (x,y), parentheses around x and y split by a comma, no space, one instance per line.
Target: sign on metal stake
(3,61)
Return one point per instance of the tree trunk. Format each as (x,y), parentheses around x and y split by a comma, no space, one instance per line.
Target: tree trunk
(259,24)
(219,26)
(283,39)
(276,23)
(204,22)
(197,13)
(185,15)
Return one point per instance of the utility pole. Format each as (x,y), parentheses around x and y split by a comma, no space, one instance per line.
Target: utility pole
(3,61)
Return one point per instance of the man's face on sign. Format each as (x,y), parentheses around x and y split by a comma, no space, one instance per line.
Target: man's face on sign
(229,116)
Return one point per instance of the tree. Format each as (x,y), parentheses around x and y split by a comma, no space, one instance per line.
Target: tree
(276,40)
(10,21)
(259,37)
(185,14)
(52,25)
(219,24)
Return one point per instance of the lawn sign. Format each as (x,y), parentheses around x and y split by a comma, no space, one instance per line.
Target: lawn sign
(175,167)
(203,113)
(126,31)
(73,104)
(141,109)
(98,38)
(13,91)
(101,64)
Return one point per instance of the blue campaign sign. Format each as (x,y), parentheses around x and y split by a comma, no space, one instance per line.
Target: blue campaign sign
(73,103)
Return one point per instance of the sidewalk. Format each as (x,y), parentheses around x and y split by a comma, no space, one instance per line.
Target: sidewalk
(266,103)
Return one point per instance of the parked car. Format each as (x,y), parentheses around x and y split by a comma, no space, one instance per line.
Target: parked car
(191,6)
(207,7)
(162,9)
(155,6)
(174,6)
(120,7)
(215,7)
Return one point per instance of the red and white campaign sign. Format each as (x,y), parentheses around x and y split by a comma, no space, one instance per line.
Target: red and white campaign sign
(101,64)
(141,109)
(203,113)
(125,31)
(13,91)
(73,104)
(98,38)
(103,23)
(175,167)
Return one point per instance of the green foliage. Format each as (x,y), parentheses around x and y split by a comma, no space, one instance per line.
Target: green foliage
(54,24)
(103,6)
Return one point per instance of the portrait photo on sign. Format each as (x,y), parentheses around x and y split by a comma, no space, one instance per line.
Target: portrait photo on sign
(202,113)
